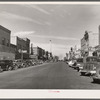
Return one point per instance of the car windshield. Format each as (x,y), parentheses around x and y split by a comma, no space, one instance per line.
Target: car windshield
(90,59)
(80,60)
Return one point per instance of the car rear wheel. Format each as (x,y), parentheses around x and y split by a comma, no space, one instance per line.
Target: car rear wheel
(15,67)
(9,68)
(82,74)
(78,69)
(24,65)
(94,80)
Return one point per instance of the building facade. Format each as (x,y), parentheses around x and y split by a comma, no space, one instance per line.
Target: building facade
(6,51)
(88,42)
(38,53)
(22,47)
(71,54)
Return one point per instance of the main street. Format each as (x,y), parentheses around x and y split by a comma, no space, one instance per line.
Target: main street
(55,75)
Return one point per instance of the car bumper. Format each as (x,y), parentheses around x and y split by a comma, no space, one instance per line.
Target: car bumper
(80,68)
(70,65)
(88,72)
(92,72)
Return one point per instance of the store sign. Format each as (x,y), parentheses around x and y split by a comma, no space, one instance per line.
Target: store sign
(22,51)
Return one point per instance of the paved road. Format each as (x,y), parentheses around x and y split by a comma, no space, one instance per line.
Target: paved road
(47,76)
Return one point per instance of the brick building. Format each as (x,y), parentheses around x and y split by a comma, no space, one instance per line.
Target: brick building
(6,51)
(37,53)
(22,46)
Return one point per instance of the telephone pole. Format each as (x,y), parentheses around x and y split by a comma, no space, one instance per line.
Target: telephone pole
(50,46)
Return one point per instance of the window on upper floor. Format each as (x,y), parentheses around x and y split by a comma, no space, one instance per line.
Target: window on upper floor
(8,43)
(3,41)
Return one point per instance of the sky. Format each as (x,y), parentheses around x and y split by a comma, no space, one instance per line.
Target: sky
(63,24)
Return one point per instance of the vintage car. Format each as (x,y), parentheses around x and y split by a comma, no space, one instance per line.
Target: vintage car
(79,65)
(6,65)
(90,65)
(29,63)
(19,64)
(71,63)
(96,76)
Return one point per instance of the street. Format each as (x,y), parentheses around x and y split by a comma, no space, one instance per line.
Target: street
(55,75)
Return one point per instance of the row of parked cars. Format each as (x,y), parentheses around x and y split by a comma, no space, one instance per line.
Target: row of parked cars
(87,66)
(7,65)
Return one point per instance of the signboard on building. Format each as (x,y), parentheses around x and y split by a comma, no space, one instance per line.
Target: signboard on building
(22,51)
(33,56)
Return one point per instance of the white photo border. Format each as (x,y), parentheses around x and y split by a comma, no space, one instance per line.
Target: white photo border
(50,93)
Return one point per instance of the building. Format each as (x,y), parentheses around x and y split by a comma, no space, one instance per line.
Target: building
(88,42)
(99,33)
(37,53)
(78,53)
(6,51)
(47,55)
(97,47)
(13,48)
(71,54)
(22,47)
(55,58)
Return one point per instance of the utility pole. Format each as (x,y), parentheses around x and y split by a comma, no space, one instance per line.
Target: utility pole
(50,49)
(50,46)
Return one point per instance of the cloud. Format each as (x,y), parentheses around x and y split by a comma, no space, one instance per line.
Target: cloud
(18,17)
(31,33)
(38,8)
(48,23)
(55,37)
(23,34)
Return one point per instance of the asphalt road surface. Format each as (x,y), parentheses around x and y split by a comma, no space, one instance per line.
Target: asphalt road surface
(55,75)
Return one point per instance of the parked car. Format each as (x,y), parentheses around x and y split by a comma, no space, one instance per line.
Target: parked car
(96,76)
(29,63)
(90,65)
(66,61)
(71,63)
(19,64)
(6,65)
(40,62)
(79,65)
